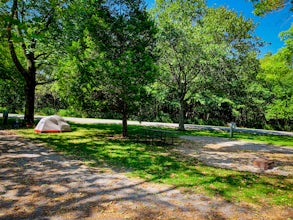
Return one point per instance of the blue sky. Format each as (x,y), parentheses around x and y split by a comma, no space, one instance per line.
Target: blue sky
(268,27)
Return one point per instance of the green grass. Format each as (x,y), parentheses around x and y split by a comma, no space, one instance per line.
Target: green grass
(277,140)
(258,138)
(101,145)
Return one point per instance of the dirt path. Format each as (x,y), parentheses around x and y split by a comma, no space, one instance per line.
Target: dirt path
(237,155)
(38,183)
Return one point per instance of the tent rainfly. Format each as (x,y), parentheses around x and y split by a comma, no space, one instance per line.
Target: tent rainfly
(52,124)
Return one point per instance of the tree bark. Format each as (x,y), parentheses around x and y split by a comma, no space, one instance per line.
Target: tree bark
(29,102)
(124,121)
(29,73)
(182,115)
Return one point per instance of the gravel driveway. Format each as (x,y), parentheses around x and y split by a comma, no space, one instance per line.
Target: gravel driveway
(38,183)
(237,155)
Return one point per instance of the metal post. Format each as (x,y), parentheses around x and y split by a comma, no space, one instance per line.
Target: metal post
(5,117)
(232,126)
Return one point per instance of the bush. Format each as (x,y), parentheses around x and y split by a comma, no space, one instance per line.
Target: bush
(46,111)
(69,113)
(2,109)
(110,115)
(268,127)
(163,117)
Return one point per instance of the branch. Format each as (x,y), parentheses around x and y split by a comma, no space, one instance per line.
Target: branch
(46,82)
(169,85)
(42,54)
(48,19)
(173,72)
(42,63)
(14,57)
(23,45)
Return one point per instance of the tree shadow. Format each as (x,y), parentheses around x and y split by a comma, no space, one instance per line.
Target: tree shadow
(63,185)
(237,155)
(38,182)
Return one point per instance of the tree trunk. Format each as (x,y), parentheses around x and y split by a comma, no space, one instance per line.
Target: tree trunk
(182,115)
(29,102)
(28,74)
(124,121)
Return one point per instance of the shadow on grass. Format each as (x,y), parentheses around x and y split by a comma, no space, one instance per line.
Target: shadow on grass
(38,183)
(103,145)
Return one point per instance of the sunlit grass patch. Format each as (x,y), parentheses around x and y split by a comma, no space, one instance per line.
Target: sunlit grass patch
(103,144)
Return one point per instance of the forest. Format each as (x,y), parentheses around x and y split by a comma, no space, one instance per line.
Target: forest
(180,61)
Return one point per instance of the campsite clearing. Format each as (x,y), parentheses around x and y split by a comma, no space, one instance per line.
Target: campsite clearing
(237,155)
(37,181)
(97,174)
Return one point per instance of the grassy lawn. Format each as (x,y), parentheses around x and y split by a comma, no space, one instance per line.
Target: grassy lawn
(102,145)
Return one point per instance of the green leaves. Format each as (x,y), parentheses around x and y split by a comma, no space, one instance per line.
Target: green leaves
(11,82)
(263,7)
(277,74)
(110,48)
(204,50)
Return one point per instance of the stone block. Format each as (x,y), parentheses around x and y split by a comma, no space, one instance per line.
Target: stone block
(263,164)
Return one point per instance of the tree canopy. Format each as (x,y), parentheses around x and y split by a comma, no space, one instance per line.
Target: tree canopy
(179,62)
(200,47)
(31,28)
(263,7)
(277,76)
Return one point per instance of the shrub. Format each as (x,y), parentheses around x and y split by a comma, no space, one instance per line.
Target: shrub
(46,111)
(2,109)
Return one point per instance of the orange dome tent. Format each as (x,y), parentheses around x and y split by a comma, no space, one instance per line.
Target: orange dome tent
(52,124)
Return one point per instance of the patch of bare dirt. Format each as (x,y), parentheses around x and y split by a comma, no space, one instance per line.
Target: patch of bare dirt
(237,155)
(38,183)
(7,132)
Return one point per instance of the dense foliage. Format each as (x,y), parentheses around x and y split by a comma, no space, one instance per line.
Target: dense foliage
(11,83)
(30,29)
(200,59)
(262,7)
(181,62)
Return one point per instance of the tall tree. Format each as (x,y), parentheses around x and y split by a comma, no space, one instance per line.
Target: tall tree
(128,57)
(202,49)
(31,29)
(277,77)
(231,58)
(180,51)
(111,62)
(84,32)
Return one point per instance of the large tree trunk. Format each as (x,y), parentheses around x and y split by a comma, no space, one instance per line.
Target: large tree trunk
(29,102)
(29,73)
(124,126)
(30,86)
(182,115)
(124,120)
